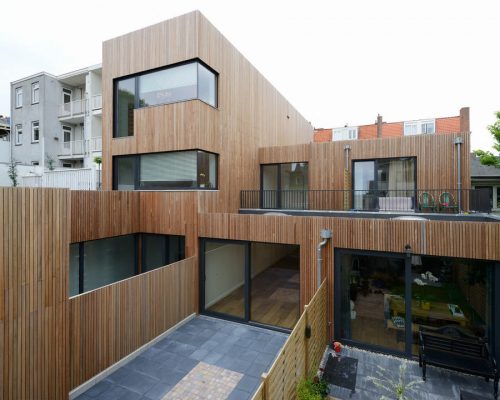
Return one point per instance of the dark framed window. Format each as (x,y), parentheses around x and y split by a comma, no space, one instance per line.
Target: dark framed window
(174,83)
(383,177)
(179,170)
(284,186)
(101,262)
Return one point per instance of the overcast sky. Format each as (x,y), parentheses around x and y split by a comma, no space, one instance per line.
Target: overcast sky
(337,62)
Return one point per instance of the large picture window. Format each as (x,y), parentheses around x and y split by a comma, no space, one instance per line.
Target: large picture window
(284,185)
(187,81)
(98,263)
(193,169)
(384,184)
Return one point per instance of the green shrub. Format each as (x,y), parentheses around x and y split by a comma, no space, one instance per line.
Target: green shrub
(312,389)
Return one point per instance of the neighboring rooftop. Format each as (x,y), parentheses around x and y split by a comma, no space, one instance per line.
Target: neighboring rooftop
(481,171)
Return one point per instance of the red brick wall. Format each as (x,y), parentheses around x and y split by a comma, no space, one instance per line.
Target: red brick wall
(448,125)
(322,135)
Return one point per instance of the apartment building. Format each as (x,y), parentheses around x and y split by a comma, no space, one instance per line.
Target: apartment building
(216,202)
(382,129)
(56,120)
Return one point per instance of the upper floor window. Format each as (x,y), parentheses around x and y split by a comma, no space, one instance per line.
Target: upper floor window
(19,135)
(35,92)
(179,170)
(35,132)
(346,133)
(19,97)
(172,84)
(419,127)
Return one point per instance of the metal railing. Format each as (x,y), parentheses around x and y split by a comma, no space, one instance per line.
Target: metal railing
(73,108)
(96,102)
(409,200)
(95,144)
(81,147)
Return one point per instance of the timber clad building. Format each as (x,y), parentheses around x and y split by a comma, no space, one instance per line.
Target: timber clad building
(213,203)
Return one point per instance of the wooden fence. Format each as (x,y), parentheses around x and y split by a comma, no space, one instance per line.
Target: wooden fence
(300,356)
(111,322)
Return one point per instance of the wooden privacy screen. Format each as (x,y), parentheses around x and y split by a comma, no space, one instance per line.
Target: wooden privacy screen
(111,322)
(300,356)
(34,339)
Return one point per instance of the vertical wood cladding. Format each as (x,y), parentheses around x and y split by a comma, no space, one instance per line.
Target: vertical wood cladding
(436,159)
(251,113)
(111,322)
(34,319)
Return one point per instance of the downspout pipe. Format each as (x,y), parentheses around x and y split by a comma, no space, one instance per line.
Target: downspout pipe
(325,234)
(458,142)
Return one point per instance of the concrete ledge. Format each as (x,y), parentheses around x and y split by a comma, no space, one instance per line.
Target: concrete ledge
(108,371)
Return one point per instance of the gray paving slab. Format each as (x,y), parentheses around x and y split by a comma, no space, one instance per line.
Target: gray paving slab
(154,373)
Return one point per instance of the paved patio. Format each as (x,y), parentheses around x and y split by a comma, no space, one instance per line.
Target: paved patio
(206,358)
(441,384)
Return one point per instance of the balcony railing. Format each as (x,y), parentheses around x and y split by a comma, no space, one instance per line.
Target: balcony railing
(96,102)
(410,200)
(81,147)
(74,108)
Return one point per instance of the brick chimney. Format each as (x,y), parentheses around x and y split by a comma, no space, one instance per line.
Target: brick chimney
(379,126)
(465,119)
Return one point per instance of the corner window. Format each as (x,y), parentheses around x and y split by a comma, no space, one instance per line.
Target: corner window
(35,92)
(98,263)
(19,134)
(419,127)
(178,170)
(19,97)
(35,132)
(172,84)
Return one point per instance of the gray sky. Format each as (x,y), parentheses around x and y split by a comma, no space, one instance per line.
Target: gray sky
(337,62)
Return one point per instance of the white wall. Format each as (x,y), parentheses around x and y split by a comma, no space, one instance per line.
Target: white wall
(263,255)
(4,151)
(21,171)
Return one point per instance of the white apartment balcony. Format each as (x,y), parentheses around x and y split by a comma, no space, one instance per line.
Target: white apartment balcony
(73,112)
(96,104)
(78,149)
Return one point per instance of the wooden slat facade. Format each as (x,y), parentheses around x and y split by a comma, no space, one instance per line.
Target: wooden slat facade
(250,114)
(111,322)
(34,313)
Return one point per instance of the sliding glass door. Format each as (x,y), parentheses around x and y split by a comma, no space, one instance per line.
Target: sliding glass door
(284,185)
(382,299)
(251,282)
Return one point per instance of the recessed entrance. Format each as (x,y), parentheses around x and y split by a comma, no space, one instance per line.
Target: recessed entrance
(251,282)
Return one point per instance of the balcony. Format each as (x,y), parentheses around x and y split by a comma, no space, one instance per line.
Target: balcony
(368,202)
(96,104)
(80,148)
(73,112)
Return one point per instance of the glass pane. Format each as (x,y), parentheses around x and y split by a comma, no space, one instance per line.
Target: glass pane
(275,293)
(207,86)
(207,170)
(154,251)
(396,178)
(451,293)
(372,300)
(169,85)
(125,99)
(169,170)
(125,173)
(74,269)
(364,185)
(269,186)
(225,278)
(294,185)
(108,260)
(176,248)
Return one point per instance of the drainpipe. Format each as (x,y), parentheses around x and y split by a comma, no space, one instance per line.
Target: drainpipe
(458,142)
(379,126)
(347,148)
(325,234)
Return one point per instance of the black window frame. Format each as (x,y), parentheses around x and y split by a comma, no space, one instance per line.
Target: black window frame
(137,105)
(137,171)
(375,180)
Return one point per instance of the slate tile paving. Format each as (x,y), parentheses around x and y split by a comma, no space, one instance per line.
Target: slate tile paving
(441,384)
(202,344)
